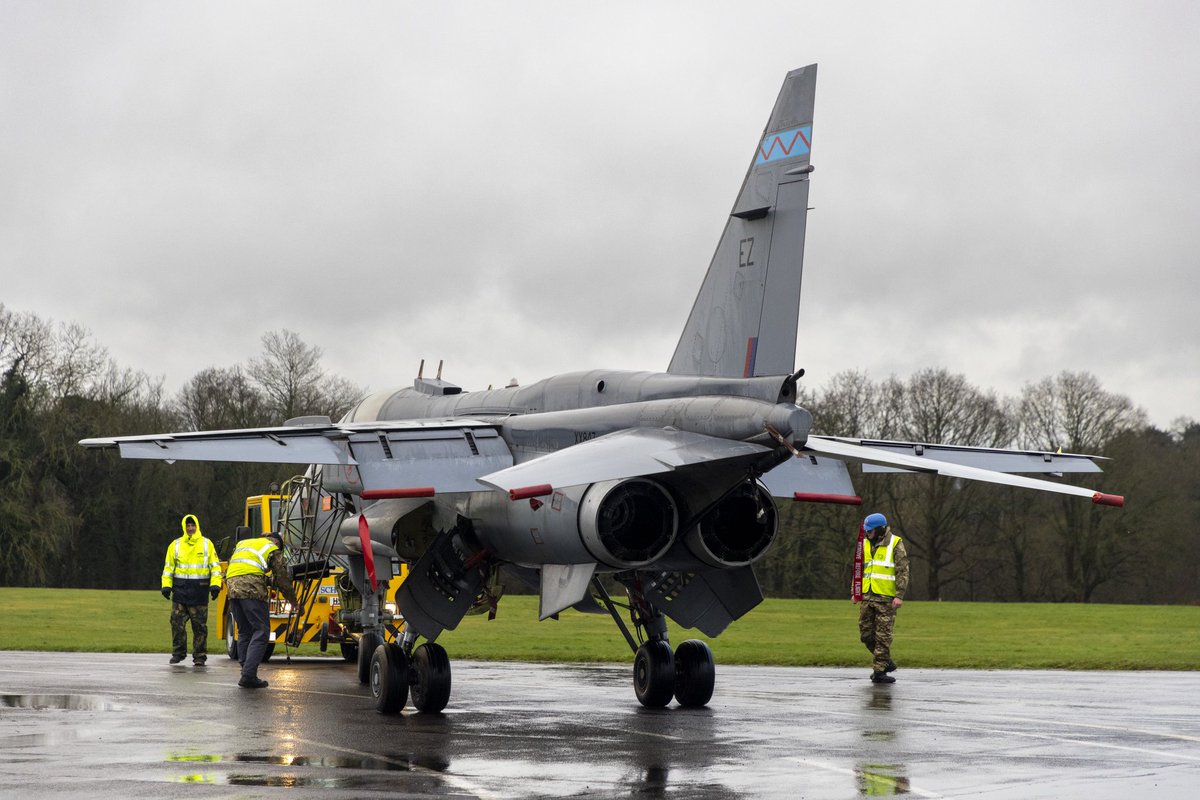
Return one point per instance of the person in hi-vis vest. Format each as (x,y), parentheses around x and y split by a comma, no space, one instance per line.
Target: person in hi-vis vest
(247,582)
(191,574)
(881,563)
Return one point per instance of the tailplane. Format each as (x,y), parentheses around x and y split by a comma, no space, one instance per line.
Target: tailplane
(743,323)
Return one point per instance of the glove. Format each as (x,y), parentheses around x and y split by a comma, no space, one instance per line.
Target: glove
(166,590)
(214,591)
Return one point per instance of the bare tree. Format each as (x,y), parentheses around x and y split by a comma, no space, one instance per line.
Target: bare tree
(1072,412)
(289,374)
(944,521)
(221,398)
(854,405)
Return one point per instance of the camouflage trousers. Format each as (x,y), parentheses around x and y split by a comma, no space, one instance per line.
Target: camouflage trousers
(876,620)
(180,614)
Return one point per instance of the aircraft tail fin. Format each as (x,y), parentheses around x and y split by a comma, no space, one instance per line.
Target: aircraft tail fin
(743,323)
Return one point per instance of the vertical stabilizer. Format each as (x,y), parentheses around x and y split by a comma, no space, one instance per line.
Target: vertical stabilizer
(743,323)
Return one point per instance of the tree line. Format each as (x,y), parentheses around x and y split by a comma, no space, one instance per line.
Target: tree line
(71,517)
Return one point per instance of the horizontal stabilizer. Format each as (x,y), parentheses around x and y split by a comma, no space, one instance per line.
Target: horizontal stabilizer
(883,458)
(809,475)
(624,454)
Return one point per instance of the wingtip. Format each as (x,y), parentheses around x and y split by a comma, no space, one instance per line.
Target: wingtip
(1101,499)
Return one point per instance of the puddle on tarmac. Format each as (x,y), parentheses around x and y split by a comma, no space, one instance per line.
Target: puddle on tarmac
(73,702)
(295,781)
(401,763)
(386,763)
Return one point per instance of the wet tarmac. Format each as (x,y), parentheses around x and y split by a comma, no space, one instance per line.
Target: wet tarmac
(130,726)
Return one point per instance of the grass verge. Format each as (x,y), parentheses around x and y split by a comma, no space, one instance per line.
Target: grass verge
(778,632)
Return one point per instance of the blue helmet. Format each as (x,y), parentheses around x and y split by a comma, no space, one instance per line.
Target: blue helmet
(874,521)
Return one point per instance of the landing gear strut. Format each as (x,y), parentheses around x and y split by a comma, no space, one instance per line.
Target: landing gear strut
(689,674)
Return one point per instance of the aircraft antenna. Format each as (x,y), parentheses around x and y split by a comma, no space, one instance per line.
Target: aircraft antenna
(421,370)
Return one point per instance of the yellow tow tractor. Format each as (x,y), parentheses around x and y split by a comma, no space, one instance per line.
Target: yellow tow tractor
(325,594)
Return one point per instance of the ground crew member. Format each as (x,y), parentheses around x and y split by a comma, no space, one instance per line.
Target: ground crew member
(191,574)
(248,595)
(884,575)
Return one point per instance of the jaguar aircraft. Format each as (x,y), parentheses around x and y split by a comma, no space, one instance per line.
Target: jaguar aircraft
(661,483)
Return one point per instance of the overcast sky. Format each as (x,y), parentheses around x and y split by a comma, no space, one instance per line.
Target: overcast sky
(1006,190)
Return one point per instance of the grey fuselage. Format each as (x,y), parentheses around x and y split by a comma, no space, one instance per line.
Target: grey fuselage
(574,407)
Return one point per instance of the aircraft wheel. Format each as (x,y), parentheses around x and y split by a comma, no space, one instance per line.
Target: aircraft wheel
(654,674)
(431,678)
(389,678)
(349,651)
(231,636)
(366,649)
(695,673)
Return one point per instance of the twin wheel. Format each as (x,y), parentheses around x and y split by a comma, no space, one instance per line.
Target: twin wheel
(688,675)
(392,674)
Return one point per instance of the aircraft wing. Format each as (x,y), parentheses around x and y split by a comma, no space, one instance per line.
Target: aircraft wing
(1000,460)
(630,453)
(896,460)
(386,458)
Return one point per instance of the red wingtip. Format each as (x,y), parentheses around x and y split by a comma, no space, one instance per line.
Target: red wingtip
(1101,499)
(840,499)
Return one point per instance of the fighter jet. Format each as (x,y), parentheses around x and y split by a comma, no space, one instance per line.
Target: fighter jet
(662,484)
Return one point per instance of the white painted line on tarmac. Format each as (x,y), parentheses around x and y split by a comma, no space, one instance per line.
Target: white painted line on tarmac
(900,721)
(1118,728)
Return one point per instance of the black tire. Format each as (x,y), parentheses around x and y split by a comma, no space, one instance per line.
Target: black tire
(654,674)
(431,678)
(389,678)
(349,650)
(270,651)
(231,636)
(695,674)
(366,649)
(324,636)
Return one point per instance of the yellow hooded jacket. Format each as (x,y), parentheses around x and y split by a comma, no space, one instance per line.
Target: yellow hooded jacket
(191,567)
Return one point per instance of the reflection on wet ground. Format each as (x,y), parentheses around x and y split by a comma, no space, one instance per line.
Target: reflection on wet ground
(74,702)
(132,725)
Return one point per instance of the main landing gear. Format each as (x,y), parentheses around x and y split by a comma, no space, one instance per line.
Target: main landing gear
(394,670)
(689,674)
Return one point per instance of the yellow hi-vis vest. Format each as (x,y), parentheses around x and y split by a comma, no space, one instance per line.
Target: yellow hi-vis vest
(251,557)
(194,560)
(879,568)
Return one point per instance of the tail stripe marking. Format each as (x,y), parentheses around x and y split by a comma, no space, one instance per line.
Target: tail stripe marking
(751,352)
(787,142)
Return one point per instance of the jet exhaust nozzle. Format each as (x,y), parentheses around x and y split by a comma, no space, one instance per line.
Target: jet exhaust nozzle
(739,530)
(628,523)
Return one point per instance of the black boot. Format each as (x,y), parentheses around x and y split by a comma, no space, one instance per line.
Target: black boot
(881,677)
(891,666)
